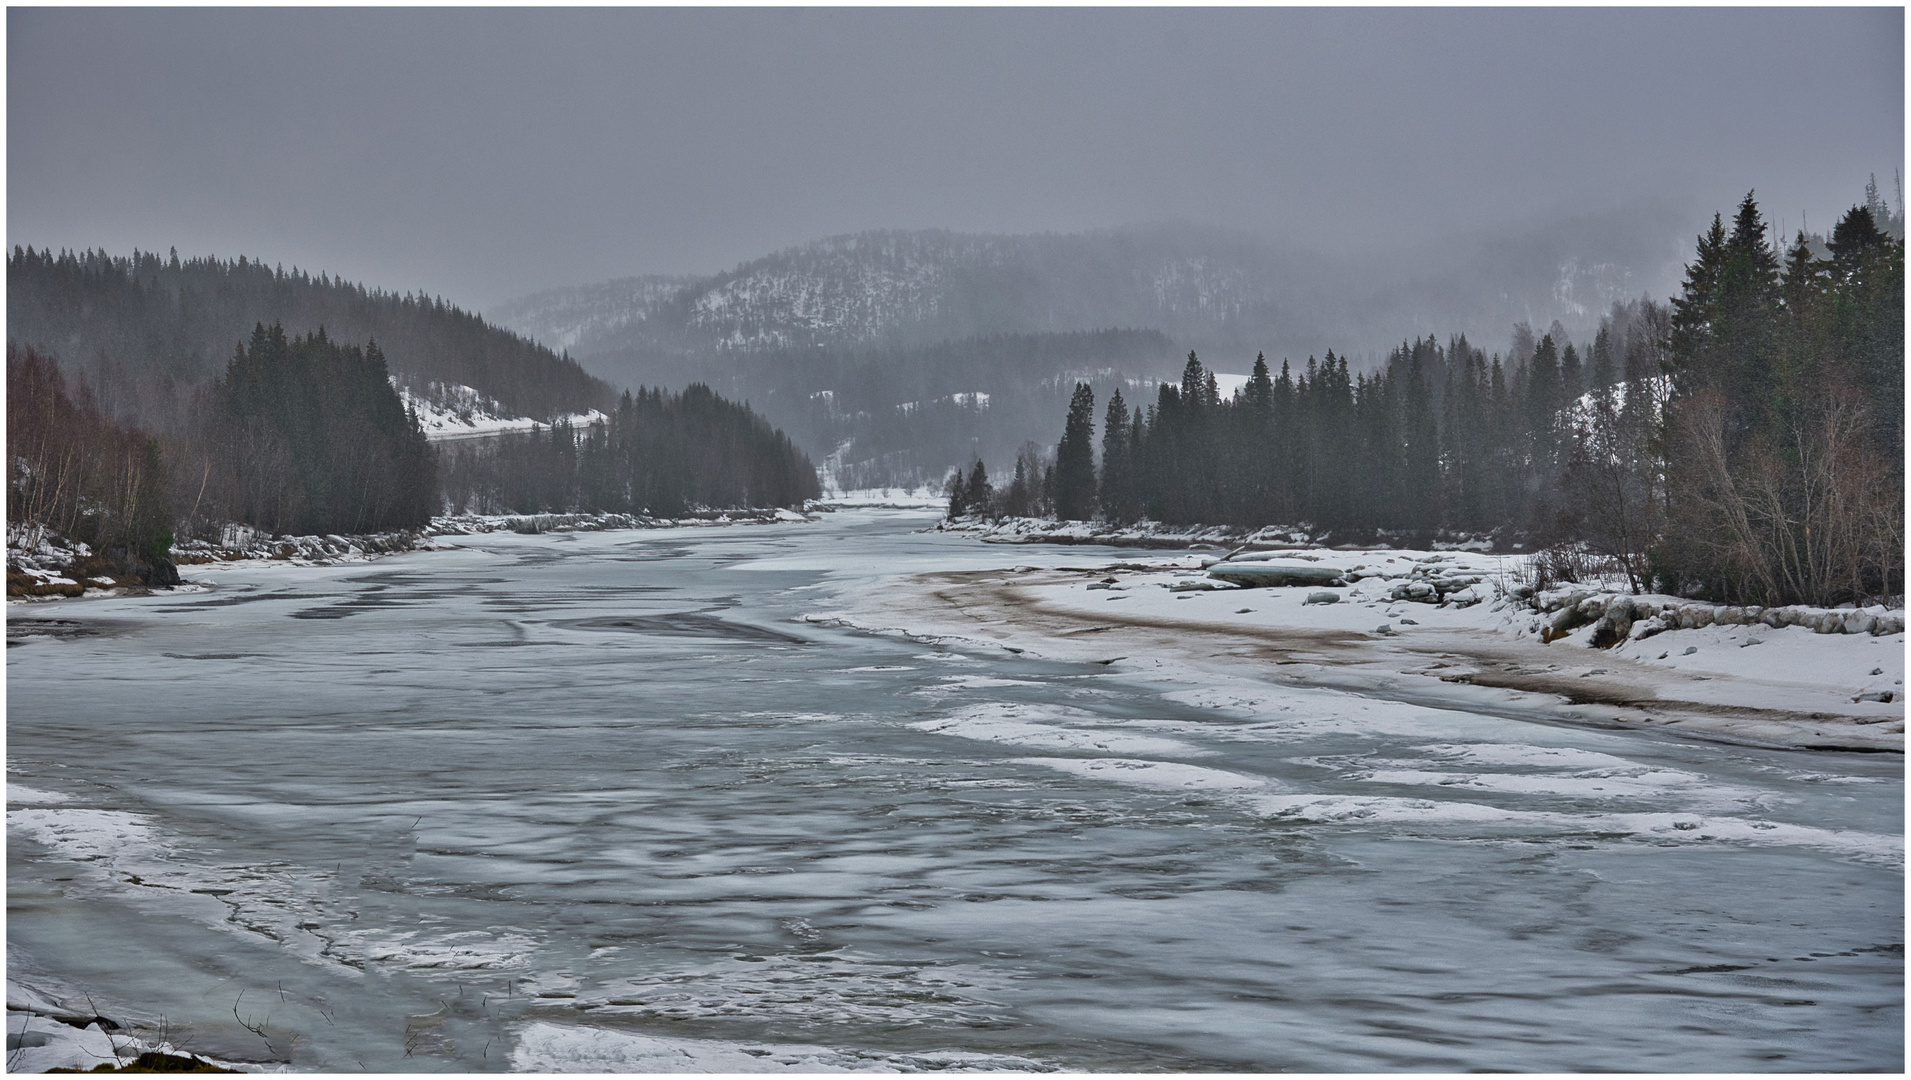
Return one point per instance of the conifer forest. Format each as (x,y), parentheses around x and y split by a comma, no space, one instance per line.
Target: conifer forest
(130,423)
(1741,442)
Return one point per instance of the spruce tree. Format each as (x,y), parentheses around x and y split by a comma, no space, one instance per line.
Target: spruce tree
(1075,459)
(979,493)
(1258,394)
(958,492)
(1694,310)
(1117,474)
(1419,487)
(1600,372)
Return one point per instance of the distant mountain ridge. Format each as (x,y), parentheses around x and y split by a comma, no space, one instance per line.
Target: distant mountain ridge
(1205,288)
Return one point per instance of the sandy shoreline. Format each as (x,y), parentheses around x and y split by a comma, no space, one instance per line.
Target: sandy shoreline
(1430,656)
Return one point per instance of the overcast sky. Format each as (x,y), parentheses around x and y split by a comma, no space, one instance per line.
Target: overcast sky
(482,154)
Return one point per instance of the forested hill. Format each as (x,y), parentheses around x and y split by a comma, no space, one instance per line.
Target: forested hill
(146,331)
(1217,290)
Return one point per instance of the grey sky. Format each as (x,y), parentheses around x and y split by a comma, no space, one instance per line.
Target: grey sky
(481,154)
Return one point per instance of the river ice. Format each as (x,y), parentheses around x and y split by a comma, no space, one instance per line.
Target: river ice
(604,801)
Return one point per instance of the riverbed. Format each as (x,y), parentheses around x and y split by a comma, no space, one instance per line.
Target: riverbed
(618,801)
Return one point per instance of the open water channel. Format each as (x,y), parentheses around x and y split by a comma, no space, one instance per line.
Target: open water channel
(603,801)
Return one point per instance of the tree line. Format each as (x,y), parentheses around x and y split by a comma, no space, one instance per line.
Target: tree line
(656,453)
(148,331)
(76,473)
(305,434)
(1742,443)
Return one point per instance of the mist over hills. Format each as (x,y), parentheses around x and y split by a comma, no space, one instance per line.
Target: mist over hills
(1205,288)
(804,332)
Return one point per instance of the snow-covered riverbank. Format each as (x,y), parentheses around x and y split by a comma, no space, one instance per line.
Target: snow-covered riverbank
(1155,534)
(1441,627)
(43,567)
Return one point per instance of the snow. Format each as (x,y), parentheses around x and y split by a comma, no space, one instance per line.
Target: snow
(1656,827)
(570,1048)
(1584,410)
(975,399)
(48,1029)
(1169,775)
(1036,727)
(38,1043)
(921,498)
(1438,626)
(108,838)
(454,412)
(1273,572)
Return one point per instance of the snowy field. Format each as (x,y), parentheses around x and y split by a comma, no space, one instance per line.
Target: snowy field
(841,794)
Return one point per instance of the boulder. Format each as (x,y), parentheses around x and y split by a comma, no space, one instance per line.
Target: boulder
(1322,598)
(1612,627)
(160,573)
(1268,573)
(1647,627)
(1565,622)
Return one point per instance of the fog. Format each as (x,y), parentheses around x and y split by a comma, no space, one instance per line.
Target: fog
(483,155)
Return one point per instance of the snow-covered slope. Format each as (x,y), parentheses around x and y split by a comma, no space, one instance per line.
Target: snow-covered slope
(449,413)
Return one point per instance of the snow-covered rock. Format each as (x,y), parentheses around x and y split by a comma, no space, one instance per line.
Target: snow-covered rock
(1269,573)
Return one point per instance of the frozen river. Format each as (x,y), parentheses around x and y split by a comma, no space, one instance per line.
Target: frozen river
(603,801)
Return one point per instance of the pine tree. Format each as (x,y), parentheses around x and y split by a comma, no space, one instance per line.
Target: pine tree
(1417,504)
(1075,459)
(958,493)
(979,493)
(1601,374)
(1194,382)
(1867,308)
(1694,310)
(1117,472)
(1571,376)
(1542,406)
(1258,394)
(1015,503)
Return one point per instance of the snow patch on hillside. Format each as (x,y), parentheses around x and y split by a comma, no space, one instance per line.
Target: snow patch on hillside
(449,412)
(978,399)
